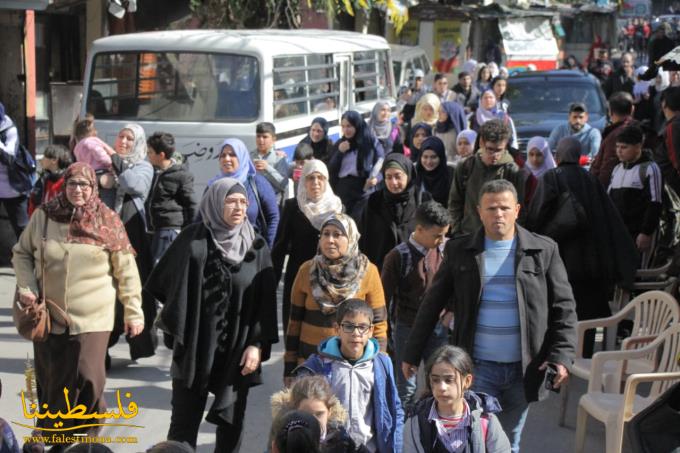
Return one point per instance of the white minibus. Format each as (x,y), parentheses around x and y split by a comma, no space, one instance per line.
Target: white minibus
(207,85)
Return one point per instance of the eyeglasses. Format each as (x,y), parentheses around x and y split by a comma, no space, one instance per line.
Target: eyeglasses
(232,203)
(83,185)
(348,327)
(332,234)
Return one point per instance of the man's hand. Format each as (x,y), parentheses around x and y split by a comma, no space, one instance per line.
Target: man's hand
(643,242)
(133,328)
(562,374)
(261,164)
(408,370)
(250,360)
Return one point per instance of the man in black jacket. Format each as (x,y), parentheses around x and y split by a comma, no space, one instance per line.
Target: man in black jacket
(170,205)
(512,304)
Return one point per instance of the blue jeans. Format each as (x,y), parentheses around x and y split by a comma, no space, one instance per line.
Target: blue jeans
(504,382)
(407,387)
(162,238)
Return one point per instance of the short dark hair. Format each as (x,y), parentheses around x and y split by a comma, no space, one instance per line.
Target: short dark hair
(171,446)
(497,79)
(351,307)
(162,142)
(60,153)
(621,103)
(462,74)
(303,151)
(498,186)
(431,214)
(494,131)
(265,128)
(296,431)
(439,76)
(671,97)
(631,135)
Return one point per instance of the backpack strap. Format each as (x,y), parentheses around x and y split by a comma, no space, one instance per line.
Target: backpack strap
(642,168)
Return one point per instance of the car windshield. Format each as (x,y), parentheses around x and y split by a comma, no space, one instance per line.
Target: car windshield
(536,96)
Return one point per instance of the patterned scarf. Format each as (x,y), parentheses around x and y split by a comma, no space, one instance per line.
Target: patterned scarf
(93,223)
(334,281)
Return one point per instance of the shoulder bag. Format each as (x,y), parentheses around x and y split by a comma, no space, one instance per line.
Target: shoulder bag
(33,321)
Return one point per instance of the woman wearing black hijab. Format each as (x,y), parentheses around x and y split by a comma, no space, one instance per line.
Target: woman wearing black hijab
(594,243)
(416,135)
(355,163)
(388,216)
(318,139)
(434,176)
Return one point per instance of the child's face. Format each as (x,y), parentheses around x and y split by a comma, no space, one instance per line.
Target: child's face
(317,408)
(354,332)
(430,237)
(264,142)
(49,164)
(627,152)
(447,384)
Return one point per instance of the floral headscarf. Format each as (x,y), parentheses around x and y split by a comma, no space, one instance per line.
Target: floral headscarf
(93,223)
(334,281)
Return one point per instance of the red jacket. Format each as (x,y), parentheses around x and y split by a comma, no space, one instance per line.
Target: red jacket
(44,191)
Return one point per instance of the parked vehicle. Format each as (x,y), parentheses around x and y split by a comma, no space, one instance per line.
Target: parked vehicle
(206,85)
(539,101)
(406,59)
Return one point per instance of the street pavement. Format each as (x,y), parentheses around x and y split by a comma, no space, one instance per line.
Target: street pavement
(148,380)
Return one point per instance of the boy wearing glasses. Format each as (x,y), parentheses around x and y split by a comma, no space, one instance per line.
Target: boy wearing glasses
(361,377)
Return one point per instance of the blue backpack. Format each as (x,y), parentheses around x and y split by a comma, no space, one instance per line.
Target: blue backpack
(21,167)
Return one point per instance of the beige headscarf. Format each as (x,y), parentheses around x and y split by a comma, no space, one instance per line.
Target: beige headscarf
(329,203)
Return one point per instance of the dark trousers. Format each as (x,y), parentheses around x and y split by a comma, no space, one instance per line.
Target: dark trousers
(74,362)
(187,412)
(17,211)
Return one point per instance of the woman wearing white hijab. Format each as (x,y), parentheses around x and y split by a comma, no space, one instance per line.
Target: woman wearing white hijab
(301,221)
(133,176)
(218,291)
(539,156)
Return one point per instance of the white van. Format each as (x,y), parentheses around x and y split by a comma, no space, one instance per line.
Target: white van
(406,60)
(207,85)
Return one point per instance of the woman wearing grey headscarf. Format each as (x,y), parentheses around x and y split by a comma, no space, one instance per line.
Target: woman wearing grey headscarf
(384,130)
(570,205)
(133,175)
(218,291)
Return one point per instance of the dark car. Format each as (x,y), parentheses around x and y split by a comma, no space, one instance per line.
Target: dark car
(539,101)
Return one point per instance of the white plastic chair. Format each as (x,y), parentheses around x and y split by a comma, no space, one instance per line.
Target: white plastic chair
(653,312)
(614,409)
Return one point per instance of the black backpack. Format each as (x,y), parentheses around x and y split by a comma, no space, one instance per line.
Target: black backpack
(21,166)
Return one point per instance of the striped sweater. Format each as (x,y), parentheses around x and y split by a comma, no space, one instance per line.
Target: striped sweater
(307,326)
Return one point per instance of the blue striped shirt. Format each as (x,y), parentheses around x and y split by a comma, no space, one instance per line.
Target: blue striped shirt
(498,336)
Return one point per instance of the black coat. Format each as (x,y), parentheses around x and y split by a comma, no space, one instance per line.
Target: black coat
(380,231)
(604,253)
(297,238)
(209,337)
(170,203)
(546,303)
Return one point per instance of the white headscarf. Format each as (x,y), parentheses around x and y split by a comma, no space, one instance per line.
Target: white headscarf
(138,151)
(470,67)
(665,80)
(433,101)
(495,70)
(641,87)
(317,211)
(232,241)
(542,145)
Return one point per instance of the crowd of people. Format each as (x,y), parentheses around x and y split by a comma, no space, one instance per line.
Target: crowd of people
(426,239)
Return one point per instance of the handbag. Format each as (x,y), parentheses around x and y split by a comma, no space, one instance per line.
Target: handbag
(33,321)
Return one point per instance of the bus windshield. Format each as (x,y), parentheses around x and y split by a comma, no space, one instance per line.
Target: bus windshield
(174,86)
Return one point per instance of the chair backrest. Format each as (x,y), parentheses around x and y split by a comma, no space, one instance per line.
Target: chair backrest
(670,358)
(654,312)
